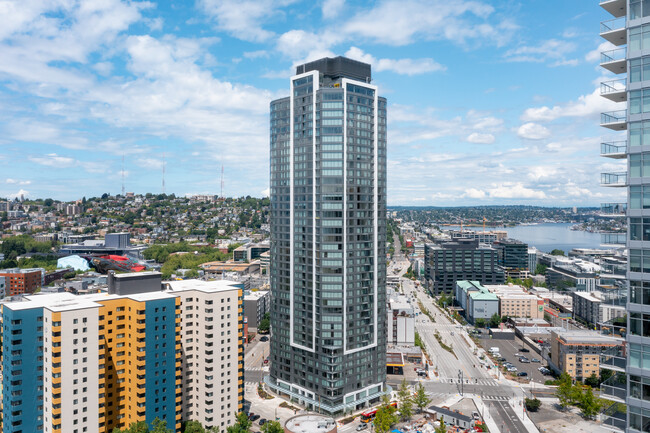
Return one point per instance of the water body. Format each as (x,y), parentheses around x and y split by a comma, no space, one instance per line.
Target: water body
(548,236)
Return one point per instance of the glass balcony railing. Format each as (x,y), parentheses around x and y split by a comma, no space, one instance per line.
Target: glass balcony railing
(614,388)
(613,238)
(612,25)
(613,359)
(613,148)
(613,179)
(610,117)
(613,86)
(615,418)
(616,209)
(610,56)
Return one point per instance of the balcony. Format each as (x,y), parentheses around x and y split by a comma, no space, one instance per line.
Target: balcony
(614,60)
(614,149)
(613,179)
(614,31)
(614,90)
(617,8)
(613,209)
(614,358)
(615,120)
(613,239)
(614,388)
(615,418)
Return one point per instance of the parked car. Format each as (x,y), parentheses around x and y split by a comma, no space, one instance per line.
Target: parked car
(523,349)
(251,415)
(524,360)
(362,426)
(264,338)
(254,417)
(535,360)
(522,374)
(512,369)
(262,421)
(266,361)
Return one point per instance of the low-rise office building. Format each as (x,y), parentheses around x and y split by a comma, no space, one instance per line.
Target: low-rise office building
(476,301)
(514,301)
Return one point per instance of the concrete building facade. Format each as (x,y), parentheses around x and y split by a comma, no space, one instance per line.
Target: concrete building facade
(328,238)
(476,301)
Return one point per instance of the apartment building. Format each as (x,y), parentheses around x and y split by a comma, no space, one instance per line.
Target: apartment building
(578,353)
(143,351)
(21,281)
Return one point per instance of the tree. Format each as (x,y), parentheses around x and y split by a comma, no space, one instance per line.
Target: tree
(405,400)
(265,324)
(495,320)
(593,380)
(589,404)
(385,417)
(565,391)
(160,426)
(421,399)
(557,252)
(241,425)
(479,323)
(442,428)
(532,404)
(193,427)
(540,269)
(272,427)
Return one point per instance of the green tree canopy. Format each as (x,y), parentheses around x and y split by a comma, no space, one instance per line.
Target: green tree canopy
(405,400)
(272,427)
(557,252)
(242,424)
(385,417)
(495,320)
(421,399)
(193,427)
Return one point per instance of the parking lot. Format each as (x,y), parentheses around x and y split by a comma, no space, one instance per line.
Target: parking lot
(511,350)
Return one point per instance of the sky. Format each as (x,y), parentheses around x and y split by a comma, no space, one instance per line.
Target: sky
(489,101)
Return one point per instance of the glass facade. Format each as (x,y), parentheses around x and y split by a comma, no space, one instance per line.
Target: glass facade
(328,236)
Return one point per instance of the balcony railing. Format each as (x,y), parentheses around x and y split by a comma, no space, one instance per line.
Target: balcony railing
(617,209)
(615,418)
(613,238)
(610,56)
(614,119)
(614,90)
(613,359)
(611,25)
(613,148)
(614,388)
(613,179)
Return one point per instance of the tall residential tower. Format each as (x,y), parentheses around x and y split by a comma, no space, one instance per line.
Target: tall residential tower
(328,238)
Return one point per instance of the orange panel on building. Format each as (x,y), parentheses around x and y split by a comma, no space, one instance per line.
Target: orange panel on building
(19,283)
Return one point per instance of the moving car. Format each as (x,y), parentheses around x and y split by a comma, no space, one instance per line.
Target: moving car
(362,426)
(524,360)
(523,349)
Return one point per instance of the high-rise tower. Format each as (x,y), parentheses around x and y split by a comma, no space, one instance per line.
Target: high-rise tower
(328,237)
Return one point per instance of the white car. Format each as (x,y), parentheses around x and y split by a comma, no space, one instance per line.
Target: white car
(512,369)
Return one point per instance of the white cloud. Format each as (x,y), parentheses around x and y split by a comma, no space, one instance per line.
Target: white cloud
(150,163)
(479,138)
(550,50)
(474,193)
(399,66)
(18,182)
(244,19)
(533,131)
(540,172)
(260,54)
(590,105)
(21,192)
(266,192)
(53,160)
(332,8)
(515,191)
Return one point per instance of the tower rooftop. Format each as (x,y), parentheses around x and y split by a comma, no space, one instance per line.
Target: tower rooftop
(338,67)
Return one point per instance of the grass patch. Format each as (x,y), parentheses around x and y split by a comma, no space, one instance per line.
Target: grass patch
(419,343)
(443,345)
(286,405)
(426,312)
(263,394)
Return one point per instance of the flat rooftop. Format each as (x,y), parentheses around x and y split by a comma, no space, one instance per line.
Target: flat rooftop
(310,423)
(202,286)
(587,337)
(253,296)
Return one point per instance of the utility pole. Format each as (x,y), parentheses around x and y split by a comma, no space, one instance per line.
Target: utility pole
(460,377)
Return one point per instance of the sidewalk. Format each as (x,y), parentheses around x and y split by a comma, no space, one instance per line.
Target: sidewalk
(518,407)
(486,415)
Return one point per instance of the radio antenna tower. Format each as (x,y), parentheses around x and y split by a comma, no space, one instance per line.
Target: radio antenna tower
(123,188)
(222,182)
(163,173)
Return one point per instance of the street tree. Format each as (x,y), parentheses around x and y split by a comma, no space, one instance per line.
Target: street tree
(193,427)
(405,400)
(272,427)
(385,417)
(495,320)
(442,428)
(242,424)
(421,399)
(589,405)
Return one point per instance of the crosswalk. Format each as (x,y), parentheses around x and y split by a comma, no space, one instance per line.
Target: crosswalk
(437,397)
(253,369)
(483,382)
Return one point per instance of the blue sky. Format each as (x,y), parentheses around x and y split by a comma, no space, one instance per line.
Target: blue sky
(490,102)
